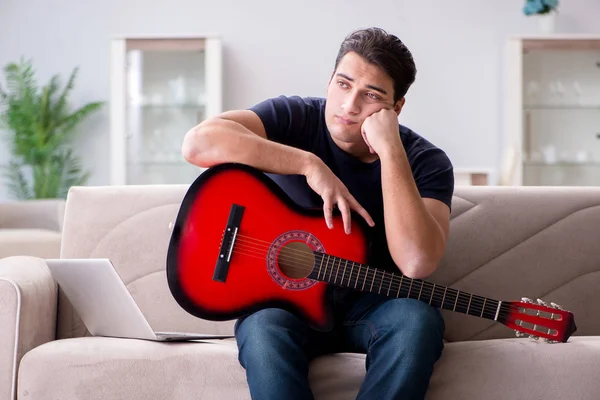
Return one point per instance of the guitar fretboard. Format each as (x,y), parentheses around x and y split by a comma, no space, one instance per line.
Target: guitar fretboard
(341,272)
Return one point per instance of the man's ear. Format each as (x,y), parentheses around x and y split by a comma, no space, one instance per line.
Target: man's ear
(399,104)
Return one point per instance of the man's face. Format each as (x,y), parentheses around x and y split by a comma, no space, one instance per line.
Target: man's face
(356,90)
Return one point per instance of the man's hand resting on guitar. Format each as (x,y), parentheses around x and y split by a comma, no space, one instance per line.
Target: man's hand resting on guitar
(334,193)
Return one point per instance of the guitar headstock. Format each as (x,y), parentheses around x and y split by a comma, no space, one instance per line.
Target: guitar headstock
(538,320)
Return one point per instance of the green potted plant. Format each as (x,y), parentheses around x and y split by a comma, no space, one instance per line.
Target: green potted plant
(40,126)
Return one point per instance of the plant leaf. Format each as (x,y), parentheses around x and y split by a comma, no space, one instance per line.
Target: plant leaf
(72,174)
(17,184)
(65,126)
(60,105)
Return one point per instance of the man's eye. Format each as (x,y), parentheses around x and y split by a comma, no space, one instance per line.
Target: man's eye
(342,84)
(372,96)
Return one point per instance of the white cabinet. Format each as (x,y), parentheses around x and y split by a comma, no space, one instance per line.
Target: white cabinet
(552,111)
(160,88)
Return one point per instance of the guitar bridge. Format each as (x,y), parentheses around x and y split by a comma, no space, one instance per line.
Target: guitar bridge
(231,229)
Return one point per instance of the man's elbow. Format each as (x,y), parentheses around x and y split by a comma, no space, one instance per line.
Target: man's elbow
(417,266)
(189,150)
(196,146)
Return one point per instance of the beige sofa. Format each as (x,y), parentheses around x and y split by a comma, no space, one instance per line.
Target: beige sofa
(31,227)
(505,243)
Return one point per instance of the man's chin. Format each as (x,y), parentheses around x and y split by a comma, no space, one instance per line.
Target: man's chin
(345,136)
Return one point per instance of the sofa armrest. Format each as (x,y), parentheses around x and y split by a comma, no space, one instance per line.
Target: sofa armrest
(28,298)
(33,214)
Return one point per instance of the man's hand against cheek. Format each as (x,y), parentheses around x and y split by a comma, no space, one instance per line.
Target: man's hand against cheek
(380,131)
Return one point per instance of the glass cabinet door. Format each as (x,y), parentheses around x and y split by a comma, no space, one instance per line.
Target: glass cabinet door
(561,113)
(168,87)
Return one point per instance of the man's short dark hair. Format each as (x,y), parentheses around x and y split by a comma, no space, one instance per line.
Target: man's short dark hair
(386,51)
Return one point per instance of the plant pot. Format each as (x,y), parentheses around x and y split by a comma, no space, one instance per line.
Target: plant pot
(547,22)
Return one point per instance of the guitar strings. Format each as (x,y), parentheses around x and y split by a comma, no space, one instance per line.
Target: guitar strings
(473,302)
(375,281)
(393,284)
(476,302)
(471,305)
(505,310)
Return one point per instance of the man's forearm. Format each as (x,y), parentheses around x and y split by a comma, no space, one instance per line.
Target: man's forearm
(414,237)
(220,141)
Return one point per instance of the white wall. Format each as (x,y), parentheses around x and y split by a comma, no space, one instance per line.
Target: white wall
(276,47)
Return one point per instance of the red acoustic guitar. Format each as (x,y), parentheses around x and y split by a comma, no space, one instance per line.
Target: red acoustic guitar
(241,244)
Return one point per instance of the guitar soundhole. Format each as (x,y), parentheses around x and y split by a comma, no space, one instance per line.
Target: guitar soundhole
(290,259)
(296,260)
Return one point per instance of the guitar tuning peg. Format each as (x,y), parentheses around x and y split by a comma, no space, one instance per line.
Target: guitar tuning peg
(526,300)
(534,337)
(520,334)
(542,302)
(554,305)
(550,341)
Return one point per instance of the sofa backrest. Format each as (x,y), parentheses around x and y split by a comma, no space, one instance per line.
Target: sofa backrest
(505,243)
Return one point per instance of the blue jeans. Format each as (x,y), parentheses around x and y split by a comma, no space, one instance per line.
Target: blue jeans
(402,338)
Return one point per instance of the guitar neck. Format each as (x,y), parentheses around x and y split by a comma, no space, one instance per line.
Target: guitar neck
(341,272)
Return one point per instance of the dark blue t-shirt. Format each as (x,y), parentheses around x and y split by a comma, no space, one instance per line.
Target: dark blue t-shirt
(300,122)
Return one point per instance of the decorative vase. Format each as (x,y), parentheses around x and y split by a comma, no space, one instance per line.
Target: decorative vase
(547,22)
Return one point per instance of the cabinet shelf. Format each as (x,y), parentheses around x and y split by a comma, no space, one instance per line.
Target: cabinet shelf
(558,107)
(561,164)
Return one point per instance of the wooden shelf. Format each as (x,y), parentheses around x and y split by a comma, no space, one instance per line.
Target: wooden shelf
(562,164)
(175,44)
(566,107)
(561,42)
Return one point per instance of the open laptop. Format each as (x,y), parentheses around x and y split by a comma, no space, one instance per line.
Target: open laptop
(103,302)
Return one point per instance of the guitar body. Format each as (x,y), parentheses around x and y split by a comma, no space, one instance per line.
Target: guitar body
(254,279)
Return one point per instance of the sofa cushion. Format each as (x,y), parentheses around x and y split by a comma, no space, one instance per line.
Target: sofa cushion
(107,368)
(500,369)
(40,243)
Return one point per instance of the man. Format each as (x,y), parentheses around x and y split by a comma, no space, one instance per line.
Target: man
(347,151)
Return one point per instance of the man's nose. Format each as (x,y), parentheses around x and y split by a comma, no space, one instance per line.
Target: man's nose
(351,104)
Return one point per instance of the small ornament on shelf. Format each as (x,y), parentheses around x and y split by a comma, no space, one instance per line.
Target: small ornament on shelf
(544,11)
